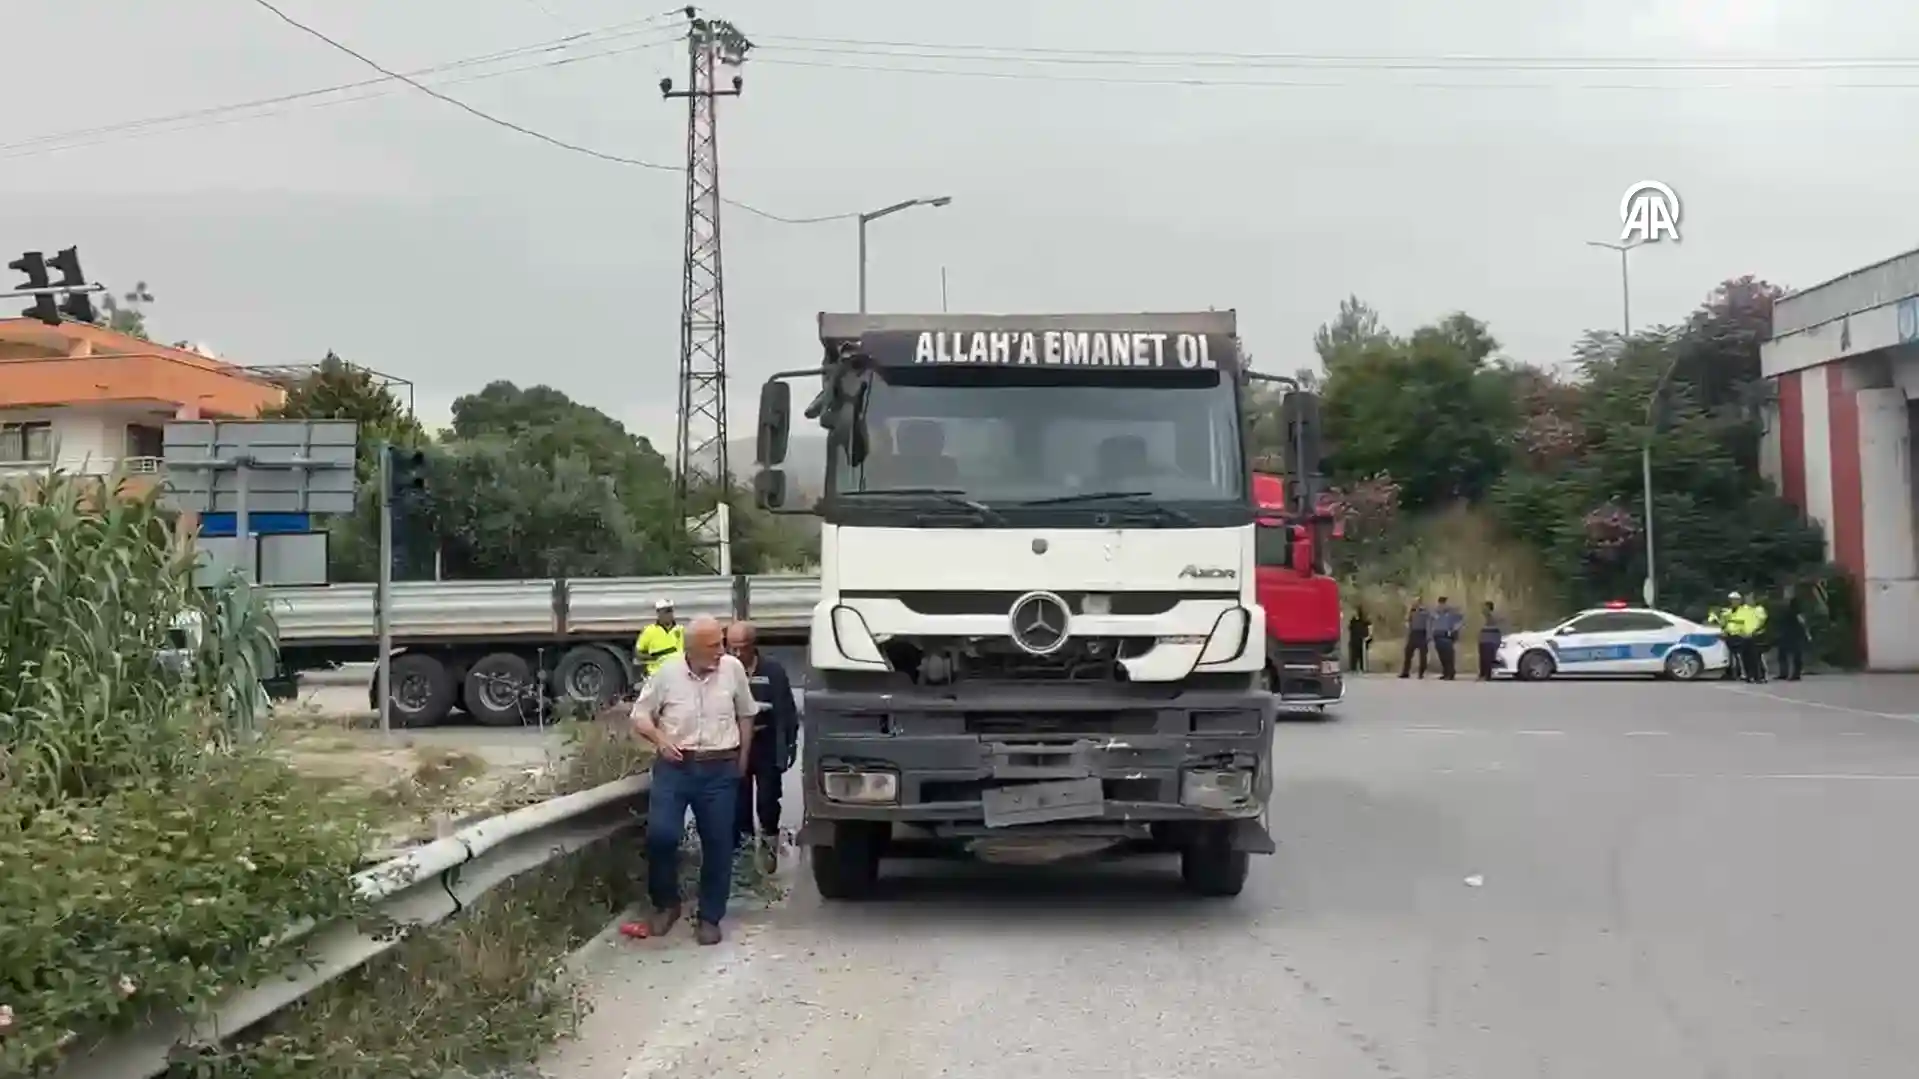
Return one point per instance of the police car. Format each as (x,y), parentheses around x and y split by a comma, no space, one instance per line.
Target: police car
(1615,639)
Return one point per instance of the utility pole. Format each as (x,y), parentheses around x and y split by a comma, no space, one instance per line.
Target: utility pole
(1649,589)
(700,449)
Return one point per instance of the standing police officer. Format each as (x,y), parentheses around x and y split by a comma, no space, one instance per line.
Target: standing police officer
(660,641)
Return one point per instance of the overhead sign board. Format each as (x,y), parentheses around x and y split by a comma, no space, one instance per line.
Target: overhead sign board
(260,466)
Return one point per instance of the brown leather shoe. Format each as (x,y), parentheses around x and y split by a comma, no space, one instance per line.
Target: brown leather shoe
(663,921)
(708,933)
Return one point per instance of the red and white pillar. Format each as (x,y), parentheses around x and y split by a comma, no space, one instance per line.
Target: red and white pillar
(1844,455)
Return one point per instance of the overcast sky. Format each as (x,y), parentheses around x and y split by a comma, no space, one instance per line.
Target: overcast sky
(416,239)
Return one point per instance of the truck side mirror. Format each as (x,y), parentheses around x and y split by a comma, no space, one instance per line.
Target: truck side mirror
(775,423)
(1302,551)
(769,488)
(1300,414)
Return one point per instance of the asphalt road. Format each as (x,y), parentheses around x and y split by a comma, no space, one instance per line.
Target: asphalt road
(1488,882)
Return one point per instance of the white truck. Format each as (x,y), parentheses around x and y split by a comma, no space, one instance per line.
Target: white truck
(1036,635)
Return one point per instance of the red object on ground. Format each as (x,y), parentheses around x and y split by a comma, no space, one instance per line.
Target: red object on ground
(635,930)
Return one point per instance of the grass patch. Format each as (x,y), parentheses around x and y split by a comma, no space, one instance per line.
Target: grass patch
(1459,554)
(489,991)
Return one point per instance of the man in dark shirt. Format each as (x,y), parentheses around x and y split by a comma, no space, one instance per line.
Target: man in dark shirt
(1446,622)
(1792,634)
(1490,633)
(1359,634)
(1419,622)
(775,739)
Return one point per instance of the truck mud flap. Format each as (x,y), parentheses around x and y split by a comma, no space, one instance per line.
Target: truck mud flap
(1039,803)
(1252,837)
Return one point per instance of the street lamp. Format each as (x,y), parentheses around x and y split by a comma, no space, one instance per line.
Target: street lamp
(871,216)
(1649,590)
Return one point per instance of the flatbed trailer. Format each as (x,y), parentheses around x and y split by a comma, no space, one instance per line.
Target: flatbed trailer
(495,649)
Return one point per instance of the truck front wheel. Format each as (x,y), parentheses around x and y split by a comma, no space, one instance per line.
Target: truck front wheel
(1210,865)
(850,867)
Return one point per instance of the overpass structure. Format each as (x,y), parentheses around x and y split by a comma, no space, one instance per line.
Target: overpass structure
(1844,361)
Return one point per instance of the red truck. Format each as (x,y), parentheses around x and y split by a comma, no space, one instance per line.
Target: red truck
(1301,600)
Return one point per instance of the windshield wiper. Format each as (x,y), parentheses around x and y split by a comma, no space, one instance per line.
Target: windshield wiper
(949,495)
(1136,498)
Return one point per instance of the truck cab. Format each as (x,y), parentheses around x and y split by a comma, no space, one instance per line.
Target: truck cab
(1300,597)
(1038,632)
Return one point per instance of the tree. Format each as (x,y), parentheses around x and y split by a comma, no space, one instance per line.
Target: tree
(1353,331)
(1426,410)
(337,390)
(126,315)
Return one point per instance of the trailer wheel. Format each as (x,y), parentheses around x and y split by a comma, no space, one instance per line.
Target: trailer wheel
(850,868)
(422,690)
(1211,866)
(497,689)
(590,676)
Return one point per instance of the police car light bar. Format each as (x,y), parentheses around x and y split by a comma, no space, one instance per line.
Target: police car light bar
(1617,605)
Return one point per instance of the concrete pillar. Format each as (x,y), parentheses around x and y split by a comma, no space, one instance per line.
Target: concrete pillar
(1891,585)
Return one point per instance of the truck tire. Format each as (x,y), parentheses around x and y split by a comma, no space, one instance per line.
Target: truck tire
(590,676)
(850,868)
(422,690)
(1210,865)
(499,688)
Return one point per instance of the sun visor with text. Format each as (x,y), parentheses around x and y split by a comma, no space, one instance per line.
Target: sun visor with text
(1052,348)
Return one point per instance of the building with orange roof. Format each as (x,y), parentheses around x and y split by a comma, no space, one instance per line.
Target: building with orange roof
(89,400)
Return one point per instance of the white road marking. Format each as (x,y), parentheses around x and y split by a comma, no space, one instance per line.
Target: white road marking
(1783,699)
(1648,734)
(1760,734)
(1540,732)
(1844,777)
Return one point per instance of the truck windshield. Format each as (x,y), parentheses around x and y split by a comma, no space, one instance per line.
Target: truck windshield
(1006,436)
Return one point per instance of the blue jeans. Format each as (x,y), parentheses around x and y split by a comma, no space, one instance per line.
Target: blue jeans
(709,789)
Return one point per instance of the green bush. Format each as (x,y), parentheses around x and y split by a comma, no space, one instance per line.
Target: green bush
(148,849)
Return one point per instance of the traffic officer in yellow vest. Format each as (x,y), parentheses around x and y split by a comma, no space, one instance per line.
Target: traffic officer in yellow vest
(1722,617)
(660,641)
(1743,627)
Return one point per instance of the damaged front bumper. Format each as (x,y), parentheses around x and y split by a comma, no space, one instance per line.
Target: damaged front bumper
(1088,761)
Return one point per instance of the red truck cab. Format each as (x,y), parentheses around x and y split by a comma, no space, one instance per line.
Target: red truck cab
(1303,620)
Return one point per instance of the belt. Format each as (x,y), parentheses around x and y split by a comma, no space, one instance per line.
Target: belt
(702,756)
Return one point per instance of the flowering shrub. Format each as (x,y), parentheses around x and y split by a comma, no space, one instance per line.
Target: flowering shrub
(145,857)
(1365,509)
(1610,530)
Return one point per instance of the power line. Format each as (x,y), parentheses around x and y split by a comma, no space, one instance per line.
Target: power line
(533,133)
(300,97)
(456,102)
(1306,84)
(1335,61)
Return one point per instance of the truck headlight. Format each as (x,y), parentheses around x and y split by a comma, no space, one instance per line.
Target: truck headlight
(1216,789)
(853,639)
(1228,638)
(861,788)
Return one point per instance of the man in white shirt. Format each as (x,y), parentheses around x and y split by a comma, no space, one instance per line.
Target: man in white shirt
(697,709)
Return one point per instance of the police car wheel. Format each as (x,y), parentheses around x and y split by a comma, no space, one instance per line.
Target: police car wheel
(1684,665)
(1534,666)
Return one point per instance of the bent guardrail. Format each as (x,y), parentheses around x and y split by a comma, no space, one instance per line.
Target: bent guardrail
(419,887)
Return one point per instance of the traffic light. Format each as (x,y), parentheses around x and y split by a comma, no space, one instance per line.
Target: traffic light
(33,265)
(405,473)
(78,305)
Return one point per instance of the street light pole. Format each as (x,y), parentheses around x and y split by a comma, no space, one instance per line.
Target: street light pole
(871,216)
(1649,590)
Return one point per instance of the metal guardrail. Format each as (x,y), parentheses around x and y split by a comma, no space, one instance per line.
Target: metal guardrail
(423,886)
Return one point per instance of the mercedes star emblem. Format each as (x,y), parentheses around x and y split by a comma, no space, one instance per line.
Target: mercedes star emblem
(1039,623)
